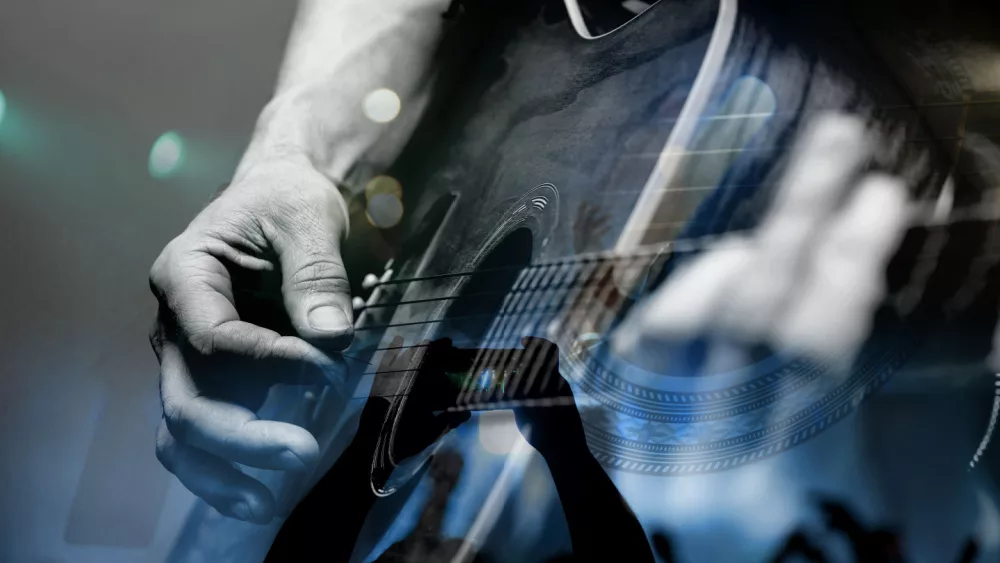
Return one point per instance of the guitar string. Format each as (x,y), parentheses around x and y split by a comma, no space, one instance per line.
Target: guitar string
(503,328)
(691,244)
(483,354)
(991,214)
(482,315)
(491,393)
(581,259)
(673,247)
(493,396)
(513,323)
(489,356)
(538,313)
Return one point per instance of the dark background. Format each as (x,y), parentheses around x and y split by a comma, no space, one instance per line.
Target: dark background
(90,85)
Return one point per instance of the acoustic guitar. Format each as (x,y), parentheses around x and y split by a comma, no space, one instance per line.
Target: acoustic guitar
(567,166)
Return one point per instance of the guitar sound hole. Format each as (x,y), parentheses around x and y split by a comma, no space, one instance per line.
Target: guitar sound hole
(479,301)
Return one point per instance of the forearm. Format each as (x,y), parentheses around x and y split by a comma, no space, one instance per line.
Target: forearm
(602,527)
(325,525)
(340,51)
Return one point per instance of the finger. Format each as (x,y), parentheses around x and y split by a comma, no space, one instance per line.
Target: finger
(275,354)
(822,168)
(219,483)
(194,289)
(832,314)
(685,305)
(548,361)
(536,361)
(315,287)
(229,431)
(196,292)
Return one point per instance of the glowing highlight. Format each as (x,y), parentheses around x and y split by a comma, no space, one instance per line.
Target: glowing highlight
(167,155)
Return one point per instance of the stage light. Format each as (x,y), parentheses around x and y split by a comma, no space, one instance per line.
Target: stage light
(3,106)
(381,105)
(167,155)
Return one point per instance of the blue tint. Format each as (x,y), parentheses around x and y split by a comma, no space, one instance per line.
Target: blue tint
(167,155)
(486,379)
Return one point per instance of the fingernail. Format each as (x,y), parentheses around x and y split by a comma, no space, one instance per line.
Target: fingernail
(291,460)
(328,319)
(242,511)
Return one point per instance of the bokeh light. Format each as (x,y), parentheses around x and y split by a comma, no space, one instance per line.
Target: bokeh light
(381,105)
(497,432)
(3,106)
(384,211)
(383,184)
(167,155)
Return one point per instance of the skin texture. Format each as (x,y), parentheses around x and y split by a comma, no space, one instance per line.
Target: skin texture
(254,289)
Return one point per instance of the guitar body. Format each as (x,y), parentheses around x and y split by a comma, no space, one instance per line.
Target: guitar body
(528,165)
(542,148)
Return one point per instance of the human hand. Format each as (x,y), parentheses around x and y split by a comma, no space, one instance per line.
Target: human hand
(809,279)
(252,293)
(553,426)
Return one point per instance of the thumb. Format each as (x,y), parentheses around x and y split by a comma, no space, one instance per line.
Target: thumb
(316,291)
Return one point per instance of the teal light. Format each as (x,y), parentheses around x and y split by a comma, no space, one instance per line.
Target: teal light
(3,106)
(167,155)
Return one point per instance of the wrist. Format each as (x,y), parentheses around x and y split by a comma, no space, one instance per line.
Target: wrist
(282,134)
(568,456)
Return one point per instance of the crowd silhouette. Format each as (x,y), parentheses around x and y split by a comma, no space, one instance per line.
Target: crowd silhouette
(326,524)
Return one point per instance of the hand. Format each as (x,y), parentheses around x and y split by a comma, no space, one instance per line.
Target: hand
(553,430)
(811,277)
(252,293)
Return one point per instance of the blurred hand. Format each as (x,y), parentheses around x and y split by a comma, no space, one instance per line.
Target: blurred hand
(252,293)
(809,279)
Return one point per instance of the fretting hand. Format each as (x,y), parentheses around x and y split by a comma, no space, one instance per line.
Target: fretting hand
(592,505)
(554,425)
(809,279)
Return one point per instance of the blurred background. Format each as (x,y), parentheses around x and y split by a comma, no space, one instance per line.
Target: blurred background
(119,119)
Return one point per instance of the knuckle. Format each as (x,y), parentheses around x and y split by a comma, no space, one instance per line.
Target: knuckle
(176,421)
(203,342)
(294,211)
(156,338)
(159,272)
(320,273)
(164,268)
